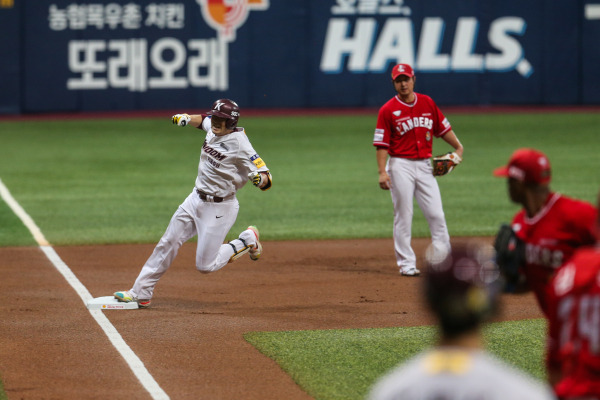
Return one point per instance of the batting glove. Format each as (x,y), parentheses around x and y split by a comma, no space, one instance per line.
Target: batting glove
(181,119)
(255,177)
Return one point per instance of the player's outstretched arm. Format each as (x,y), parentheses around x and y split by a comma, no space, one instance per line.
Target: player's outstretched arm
(186,119)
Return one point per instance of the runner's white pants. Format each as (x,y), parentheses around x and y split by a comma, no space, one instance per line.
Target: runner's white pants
(211,222)
(414,179)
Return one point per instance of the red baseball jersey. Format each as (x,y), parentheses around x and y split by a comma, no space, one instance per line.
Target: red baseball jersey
(406,130)
(574,325)
(551,237)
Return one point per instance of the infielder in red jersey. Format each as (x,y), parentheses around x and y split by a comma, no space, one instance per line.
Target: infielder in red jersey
(574,327)
(406,126)
(550,225)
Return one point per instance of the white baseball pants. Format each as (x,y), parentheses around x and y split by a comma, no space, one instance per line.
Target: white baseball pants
(414,179)
(210,222)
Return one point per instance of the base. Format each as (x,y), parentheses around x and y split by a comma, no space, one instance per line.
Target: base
(110,303)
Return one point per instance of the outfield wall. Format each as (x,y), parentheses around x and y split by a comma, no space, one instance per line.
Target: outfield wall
(94,55)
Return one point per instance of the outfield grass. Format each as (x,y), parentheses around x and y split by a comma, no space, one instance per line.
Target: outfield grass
(104,181)
(343,364)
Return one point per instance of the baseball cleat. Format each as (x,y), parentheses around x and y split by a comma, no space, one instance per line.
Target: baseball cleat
(410,272)
(143,303)
(256,251)
(126,297)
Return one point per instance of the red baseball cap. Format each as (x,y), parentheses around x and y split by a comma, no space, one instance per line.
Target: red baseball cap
(526,165)
(402,69)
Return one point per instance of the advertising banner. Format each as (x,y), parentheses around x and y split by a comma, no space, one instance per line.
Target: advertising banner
(88,55)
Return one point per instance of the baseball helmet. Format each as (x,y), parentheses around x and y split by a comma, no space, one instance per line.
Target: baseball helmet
(462,286)
(227,109)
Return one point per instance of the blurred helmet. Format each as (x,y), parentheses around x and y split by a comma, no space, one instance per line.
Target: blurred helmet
(227,109)
(462,286)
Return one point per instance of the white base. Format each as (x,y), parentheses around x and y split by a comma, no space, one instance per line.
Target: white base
(110,303)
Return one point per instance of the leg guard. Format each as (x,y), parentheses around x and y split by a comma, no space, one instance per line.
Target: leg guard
(238,253)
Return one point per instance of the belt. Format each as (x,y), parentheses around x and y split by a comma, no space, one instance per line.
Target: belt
(208,197)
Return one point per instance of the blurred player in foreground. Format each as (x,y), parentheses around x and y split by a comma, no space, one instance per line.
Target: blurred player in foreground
(574,325)
(545,232)
(462,291)
(227,162)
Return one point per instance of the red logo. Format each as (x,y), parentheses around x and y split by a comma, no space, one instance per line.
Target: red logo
(225,16)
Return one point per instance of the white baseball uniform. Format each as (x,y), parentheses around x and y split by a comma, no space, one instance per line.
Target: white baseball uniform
(456,374)
(209,211)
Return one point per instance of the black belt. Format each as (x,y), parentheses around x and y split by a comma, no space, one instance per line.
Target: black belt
(204,196)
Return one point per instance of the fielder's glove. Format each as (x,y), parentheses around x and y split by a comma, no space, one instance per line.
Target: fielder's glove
(443,164)
(181,119)
(510,257)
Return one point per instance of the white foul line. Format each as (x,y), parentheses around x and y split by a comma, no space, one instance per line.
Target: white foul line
(136,365)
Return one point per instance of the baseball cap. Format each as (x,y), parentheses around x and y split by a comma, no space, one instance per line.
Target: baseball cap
(402,69)
(526,165)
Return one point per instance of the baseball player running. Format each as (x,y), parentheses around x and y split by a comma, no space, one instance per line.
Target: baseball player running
(227,162)
(574,325)
(406,125)
(461,289)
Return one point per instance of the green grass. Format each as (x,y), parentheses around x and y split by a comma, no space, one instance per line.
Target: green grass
(2,392)
(343,364)
(119,181)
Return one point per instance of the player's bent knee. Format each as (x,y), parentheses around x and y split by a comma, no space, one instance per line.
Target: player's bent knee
(206,269)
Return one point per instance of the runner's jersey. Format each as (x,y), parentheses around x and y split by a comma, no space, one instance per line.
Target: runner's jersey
(406,130)
(551,237)
(226,161)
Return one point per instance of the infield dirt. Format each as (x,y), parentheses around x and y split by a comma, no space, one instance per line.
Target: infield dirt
(191,339)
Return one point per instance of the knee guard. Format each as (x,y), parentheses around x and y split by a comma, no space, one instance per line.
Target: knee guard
(238,253)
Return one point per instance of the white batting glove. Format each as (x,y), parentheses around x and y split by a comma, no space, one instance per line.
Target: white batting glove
(255,177)
(181,119)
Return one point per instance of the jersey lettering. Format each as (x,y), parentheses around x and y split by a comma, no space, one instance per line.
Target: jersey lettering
(213,153)
(535,254)
(416,122)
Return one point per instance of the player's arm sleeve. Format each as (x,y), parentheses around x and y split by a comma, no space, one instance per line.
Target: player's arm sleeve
(255,165)
(204,122)
(442,125)
(381,137)
(585,217)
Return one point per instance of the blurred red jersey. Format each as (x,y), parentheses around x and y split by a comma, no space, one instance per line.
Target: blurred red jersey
(551,237)
(407,130)
(574,325)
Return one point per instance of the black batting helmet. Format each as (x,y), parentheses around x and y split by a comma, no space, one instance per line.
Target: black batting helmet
(462,286)
(228,109)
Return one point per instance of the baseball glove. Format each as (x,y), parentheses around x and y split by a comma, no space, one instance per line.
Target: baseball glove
(510,257)
(444,164)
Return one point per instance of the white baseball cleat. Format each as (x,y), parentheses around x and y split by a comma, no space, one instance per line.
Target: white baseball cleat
(255,251)
(410,272)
